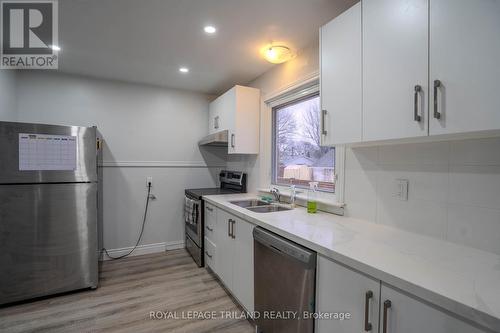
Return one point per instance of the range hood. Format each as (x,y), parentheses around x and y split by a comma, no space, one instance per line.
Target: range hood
(218,139)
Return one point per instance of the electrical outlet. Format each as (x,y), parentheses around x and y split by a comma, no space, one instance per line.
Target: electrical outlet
(402,189)
(149,180)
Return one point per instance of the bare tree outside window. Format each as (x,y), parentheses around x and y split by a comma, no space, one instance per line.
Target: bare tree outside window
(299,156)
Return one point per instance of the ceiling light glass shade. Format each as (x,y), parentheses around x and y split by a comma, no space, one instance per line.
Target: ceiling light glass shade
(277,54)
(210,29)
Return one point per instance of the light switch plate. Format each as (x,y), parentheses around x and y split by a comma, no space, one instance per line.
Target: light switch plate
(402,189)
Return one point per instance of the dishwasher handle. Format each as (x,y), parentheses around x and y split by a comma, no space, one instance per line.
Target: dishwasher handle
(285,247)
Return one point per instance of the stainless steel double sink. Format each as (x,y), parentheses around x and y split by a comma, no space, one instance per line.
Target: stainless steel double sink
(259,206)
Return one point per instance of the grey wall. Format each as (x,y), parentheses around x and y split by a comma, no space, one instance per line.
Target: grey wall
(147,131)
(8,95)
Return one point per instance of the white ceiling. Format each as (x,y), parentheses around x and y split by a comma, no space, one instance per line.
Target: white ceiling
(146,41)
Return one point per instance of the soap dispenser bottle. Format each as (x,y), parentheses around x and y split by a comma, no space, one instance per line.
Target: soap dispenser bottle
(312,204)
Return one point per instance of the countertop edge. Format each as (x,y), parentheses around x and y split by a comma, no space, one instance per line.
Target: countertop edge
(465,312)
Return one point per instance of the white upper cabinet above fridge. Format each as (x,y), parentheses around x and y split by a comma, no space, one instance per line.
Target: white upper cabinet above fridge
(238,112)
(340,62)
(465,66)
(395,67)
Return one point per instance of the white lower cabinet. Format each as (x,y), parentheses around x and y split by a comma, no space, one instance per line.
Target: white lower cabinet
(341,290)
(210,250)
(243,263)
(224,244)
(376,307)
(234,253)
(401,313)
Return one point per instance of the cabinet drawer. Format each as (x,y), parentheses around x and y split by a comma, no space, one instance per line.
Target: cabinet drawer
(210,253)
(210,221)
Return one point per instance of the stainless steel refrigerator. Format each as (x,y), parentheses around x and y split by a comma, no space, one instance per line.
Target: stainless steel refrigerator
(48,210)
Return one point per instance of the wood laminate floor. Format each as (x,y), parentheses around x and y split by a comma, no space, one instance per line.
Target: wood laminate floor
(129,290)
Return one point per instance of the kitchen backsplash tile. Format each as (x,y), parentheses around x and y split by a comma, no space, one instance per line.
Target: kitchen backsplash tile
(474,226)
(475,152)
(453,189)
(475,185)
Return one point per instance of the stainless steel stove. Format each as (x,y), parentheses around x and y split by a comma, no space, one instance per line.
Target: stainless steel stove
(194,208)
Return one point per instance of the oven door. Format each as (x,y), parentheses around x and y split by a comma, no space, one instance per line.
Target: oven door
(194,227)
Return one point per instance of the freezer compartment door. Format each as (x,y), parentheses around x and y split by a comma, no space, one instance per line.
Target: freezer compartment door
(38,153)
(48,239)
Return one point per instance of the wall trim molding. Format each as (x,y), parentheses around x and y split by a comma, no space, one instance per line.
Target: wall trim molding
(304,81)
(144,249)
(157,164)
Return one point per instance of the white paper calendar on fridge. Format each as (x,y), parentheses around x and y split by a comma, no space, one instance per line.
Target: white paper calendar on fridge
(47,152)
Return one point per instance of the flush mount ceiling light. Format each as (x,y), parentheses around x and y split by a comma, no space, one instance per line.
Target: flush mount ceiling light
(184,70)
(210,29)
(277,54)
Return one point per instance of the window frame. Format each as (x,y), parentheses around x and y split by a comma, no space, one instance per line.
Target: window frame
(274,147)
(303,86)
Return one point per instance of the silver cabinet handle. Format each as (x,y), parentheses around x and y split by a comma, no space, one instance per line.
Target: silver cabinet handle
(368,297)
(210,209)
(229,228)
(232,229)
(208,228)
(206,252)
(232,140)
(416,116)
(387,305)
(216,122)
(437,85)
(323,115)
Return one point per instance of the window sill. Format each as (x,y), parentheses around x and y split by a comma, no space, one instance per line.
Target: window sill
(327,202)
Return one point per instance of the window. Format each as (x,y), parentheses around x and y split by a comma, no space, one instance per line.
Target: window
(298,155)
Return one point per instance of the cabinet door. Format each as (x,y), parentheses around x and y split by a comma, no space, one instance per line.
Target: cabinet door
(340,289)
(221,112)
(210,221)
(243,264)
(224,249)
(464,55)
(245,116)
(341,78)
(213,117)
(408,315)
(395,61)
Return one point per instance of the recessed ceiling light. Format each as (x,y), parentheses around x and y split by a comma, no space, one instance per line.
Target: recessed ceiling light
(55,48)
(184,70)
(210,29)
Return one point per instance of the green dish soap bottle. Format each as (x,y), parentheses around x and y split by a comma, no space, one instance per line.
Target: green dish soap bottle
(312,204)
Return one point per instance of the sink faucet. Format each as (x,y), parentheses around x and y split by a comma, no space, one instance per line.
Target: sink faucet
(276,193)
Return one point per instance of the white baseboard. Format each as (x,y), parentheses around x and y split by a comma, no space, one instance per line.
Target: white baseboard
(144,249)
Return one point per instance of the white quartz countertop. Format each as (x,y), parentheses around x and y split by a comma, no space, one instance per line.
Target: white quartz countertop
(460,279)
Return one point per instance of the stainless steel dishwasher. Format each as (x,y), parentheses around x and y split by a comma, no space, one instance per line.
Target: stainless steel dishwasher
(284,278)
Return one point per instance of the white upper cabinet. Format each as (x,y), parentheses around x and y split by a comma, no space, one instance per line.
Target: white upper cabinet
(238,112)
(395,69)
(340,62)
(465,56)
(429,68)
